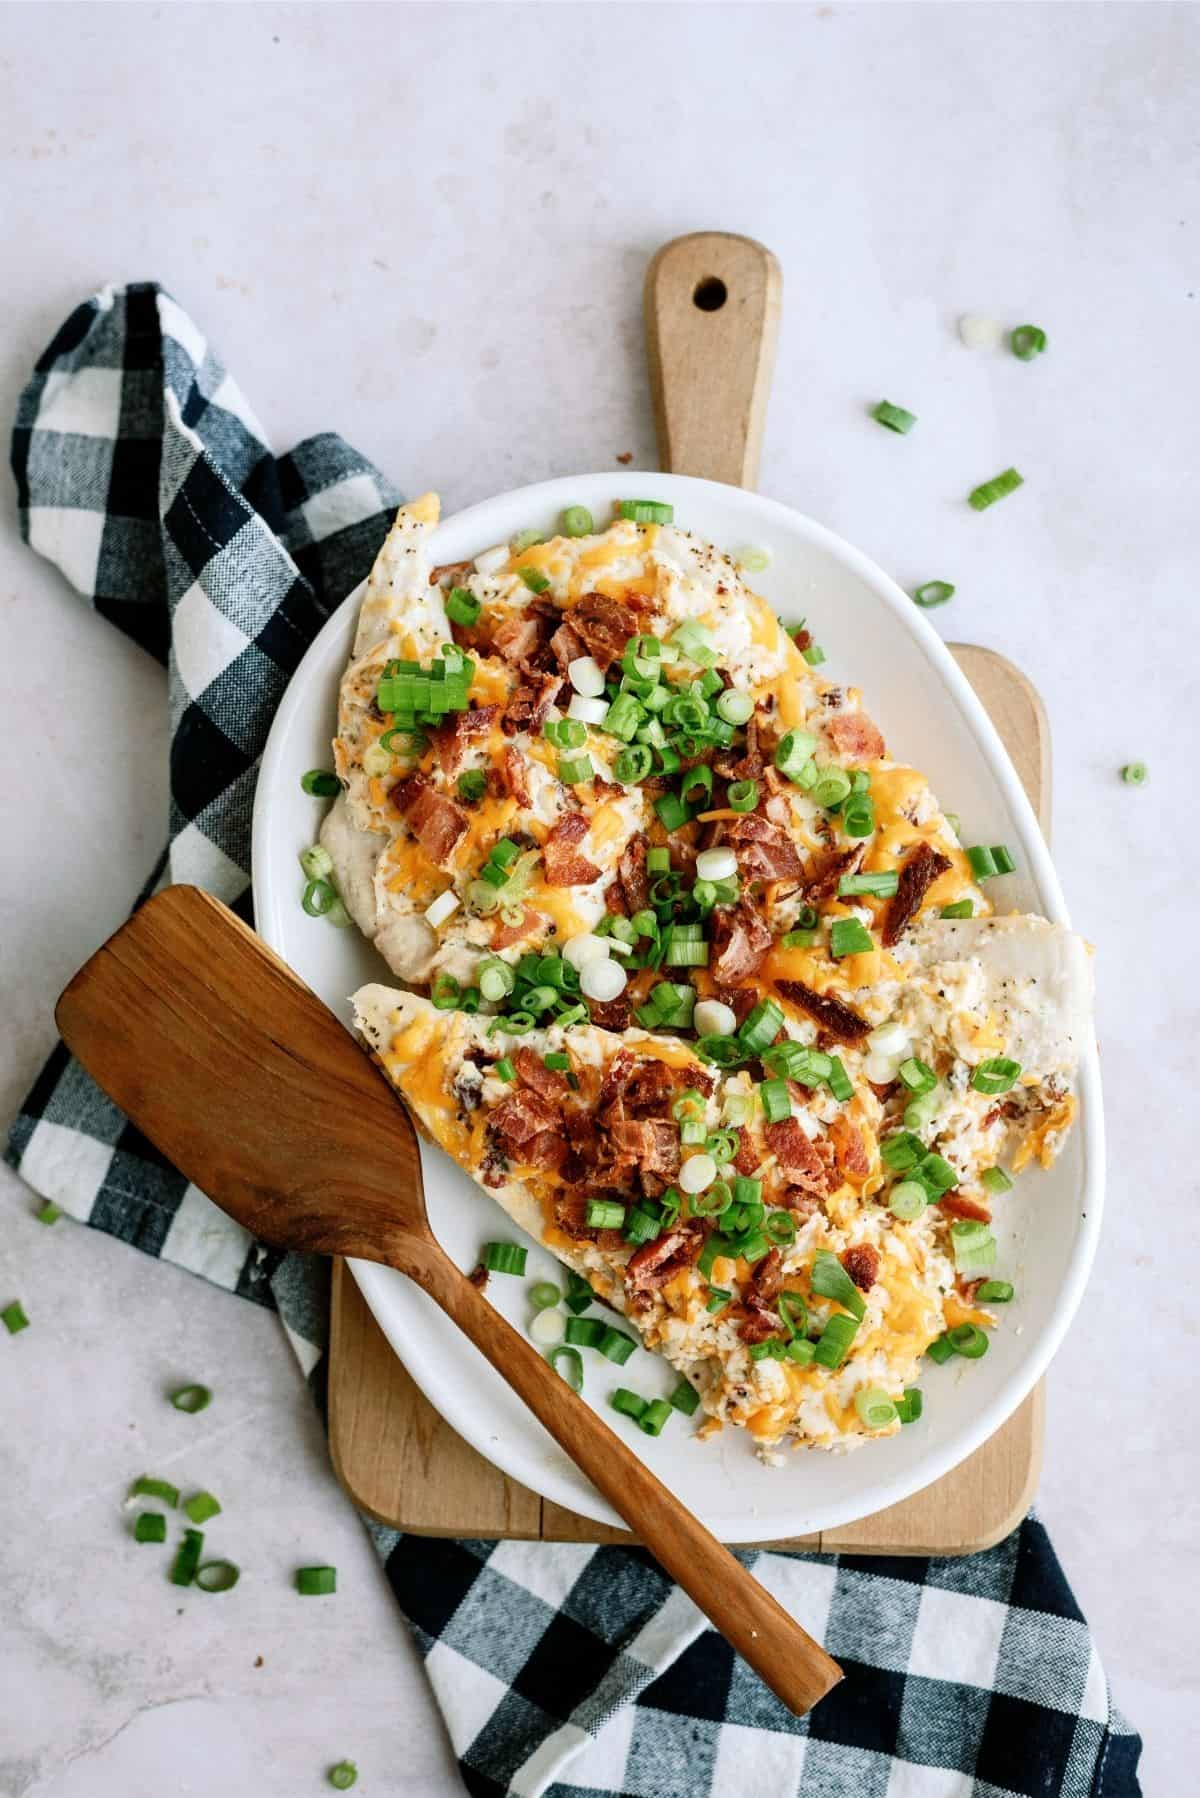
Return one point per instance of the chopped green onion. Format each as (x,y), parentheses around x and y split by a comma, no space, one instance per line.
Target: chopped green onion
(524,540)
(462,607)
(572,1363)
(832,786)
(933,593)
(799,939)
(504,1257)
(735,707)
(672,812)
(187,1558)
(794,1313)
(780,1227)
(907,1200)
(714,1201)
(847,936)
(722,1051)
(995,1292)
(1135,774)
(694,643)
(472,785)
(605,1214)
(623,717)
(1002,857)
(875,1408)
(692,1132)
(995,1180)
(685,1398)
(504,1069)
(831,1281)
(615,1345)
(642,1225)
(338,916)
(794,753)
(1027,341)
(151,1526)
(318,897)
(191,1398)
(217,1576)
(585,1332)
(629,1404)
(574,769)
(941,1349)
(654,1416)
(343,1776)
(983,865)
(974,1246)
(760,1028)
(909,1408)
(776,1100)
(147,1487)
(321,783)
(923,1109)
(316,862)
(316,1582)
(894,417)
(445,992)
(534,579)
(49,1213)
(743,796)
(201,1506)
(968,1340)
(718,1298)
(496,979)
(646,511)
(658,860)
(579,1293)
(936,1174)
(998,1074)
(814,655)
(633,764)
(917,1075)
(722,1145)
(858,815)
(901,1151)
(980,498)
(881,885)
(577,521)
(962,908)
(543,1294)
(835,1339)
(13,1318)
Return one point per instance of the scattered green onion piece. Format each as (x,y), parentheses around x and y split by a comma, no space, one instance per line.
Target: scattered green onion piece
(445,992)
(832,786)
(524,540)
(982,862)
(672,812)
(936,1175)
(685,1398)
(799,939)
(695,788)
(692,1132)
(840,1083)
(714,1201)
(187,1558)
(605,1214)
(974,1246)
(579,1293)
(571,1014)
(760,1028)
(572,770)
(629,1404)
(151,1526)
(615,1345)
(585,1332)
(995,1180)
(917,1075)
(995,1292)
(780,1227)
(968,1340)
(343,1776)
(191,1398)
(642,1225)
(13,1318)
(1135,774)
(941,1349)
(557,1062)
(321,783)
(577,521)
(316,1582)
(1027,341)
(743,796)
(962,908)
(722,1051)
(980,498)
(534,579)
(572,1365)
(504,1257)
(735,707)
(814,655)
(201,1506)
(835,1339)
(901,1151)
(148,1487)
(318,898)
(923,1109)
(338,916)
(858,815)
(633,764)
(894,417)
(776,1100)
(794,1313)
(880,885)
(543,1294)
(998,1074)
(504,1069)
(910,1406)
(722,1145)
(217,1576)
(847,936)
(658,860)
(907,1200)
(49,1213)
(875,1408)
(646,511)
(933,593)
(654,1417)
(472,785)
(794,752)
(316,862)
(462,607)
(831,1281)
(718,1298)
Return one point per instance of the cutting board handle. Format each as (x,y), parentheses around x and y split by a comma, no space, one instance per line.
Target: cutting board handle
(712,305)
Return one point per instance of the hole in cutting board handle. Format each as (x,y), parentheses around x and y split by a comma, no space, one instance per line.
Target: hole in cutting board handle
(710,294)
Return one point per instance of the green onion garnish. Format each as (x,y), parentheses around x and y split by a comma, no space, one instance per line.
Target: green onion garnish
(875,1408)
(572,1365)
(187,1558)
(968,1340)
(321,783)
(907,1200)
(936,1174)
(987,862)
(605,1214)
(840,1083)
(901,1151)
(642,1225)
(504,1069)
(933,593)
(577,521)
(996,1075)
(672,812)
(941,1349)
(974,1246)
(776,1100)
(743,796)
(462,607)
(718,1298)
(1135,774)
(847,936)
(579,1294)
(572,770)
(894,417)
(980,498)
(318,898)
(524,540)
(835,1339)
(794,753)
(832,786)
(1027,341)
(995,1292)
(316,1582)
(201,1506)
(633,764)
(917,1075)
(646,511)
(653,1417)
(472,785)
(962,908)
(831,1281)
(147,1487)
(881,885)
(995,1180)
(734,707)
(49,1213)
(543,1294)
(585,1332)
(909,1408)
(151,1526)
(814,655)
(614,1345)
(760,1028)
(217,1576)
(13,1318)
(629,1404)
(685,1398)
(191,1398)
(504,1257)
(345,1774)
(316,862)
(534,579)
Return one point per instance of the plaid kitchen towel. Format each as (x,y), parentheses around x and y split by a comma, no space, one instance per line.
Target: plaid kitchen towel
(568,1671)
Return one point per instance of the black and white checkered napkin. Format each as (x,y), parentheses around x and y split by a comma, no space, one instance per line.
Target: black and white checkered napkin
(569,1671)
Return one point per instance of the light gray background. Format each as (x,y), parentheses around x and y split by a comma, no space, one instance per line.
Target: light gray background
(427,227)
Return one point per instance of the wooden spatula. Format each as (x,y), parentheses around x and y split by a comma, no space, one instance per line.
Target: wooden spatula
(239,1074)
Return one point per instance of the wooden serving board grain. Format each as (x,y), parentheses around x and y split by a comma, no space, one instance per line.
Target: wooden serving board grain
(401,1463)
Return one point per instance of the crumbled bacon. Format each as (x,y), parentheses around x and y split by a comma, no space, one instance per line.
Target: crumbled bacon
(478,1277)
(652,1144)
(862,1264)
(758,1325)
(745,766)
(519,638)
(613,1015)
(450,739)
(517,772)
(656,1262)
(527,708)
(854,736)
(835,1018)
(450,574)
(799,1161)
(957,1204)
(564,865)
(822,874)
(848,1146)
(615,1076)
(548,1150)
(767,1278)
(631,872)
(764,850)
(916,877)
(740,941)
(522,1116)
(546,1082)
(605,625)
(749,1153)
(567,645)
(741,1000)
(435,821)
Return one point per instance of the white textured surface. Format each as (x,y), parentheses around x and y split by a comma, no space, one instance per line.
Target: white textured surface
(427,227)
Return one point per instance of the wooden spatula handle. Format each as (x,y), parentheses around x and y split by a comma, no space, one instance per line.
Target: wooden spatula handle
(712,318)
(795,1667)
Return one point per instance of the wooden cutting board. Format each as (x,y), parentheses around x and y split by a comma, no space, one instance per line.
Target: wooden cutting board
(400,1463)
